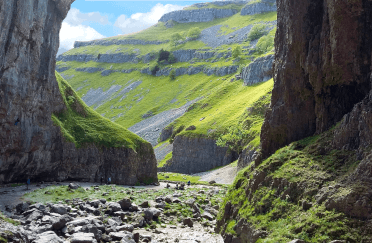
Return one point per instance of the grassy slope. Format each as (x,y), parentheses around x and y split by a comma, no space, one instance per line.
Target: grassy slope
(306,164)
(82,125)
(226,102)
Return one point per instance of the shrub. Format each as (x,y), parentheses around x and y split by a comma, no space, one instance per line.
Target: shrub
(265,44)
(171,58)
(175,38)
(256,32)
(194,33)
(236,52)
(172,74)
(163,55)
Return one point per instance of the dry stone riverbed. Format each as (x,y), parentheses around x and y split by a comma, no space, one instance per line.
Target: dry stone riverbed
(62,212)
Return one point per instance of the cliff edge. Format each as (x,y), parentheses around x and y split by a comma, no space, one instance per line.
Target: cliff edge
(30,144)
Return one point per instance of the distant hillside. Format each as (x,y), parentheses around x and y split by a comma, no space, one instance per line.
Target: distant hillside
(147,80)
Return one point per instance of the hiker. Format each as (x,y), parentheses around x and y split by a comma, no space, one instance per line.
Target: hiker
(16,122)
(109,180)
(168,185)
(101,180)
(189,183)
(28,182)
(177,186)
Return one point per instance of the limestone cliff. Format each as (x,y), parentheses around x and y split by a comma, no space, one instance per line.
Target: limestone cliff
(197,15)
(193,155)
(322,67)
(30,145)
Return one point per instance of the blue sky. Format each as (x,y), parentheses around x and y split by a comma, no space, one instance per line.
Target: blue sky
(95,19)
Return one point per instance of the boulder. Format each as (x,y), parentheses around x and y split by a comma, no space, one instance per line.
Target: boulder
(73,186)
(125,203)
(60,222)
(188,222)
(83,238)
(59,208)
(114,207)
(48,237)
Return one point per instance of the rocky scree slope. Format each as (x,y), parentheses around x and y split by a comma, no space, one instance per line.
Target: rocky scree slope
(318,187)
(31,146)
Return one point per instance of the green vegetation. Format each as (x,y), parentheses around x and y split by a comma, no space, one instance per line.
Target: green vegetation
(236,52)
(256,32)
(226,106)
(11,221)
(194,33)
(266,42)
(164,161)
(81,125)
(305,166)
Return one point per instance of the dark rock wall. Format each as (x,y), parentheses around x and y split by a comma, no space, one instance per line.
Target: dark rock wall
(29,93)
(322,67)
(193,155)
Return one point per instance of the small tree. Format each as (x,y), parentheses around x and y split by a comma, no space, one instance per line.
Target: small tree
(236,52)
(163,55)
(175,38)
(194,33)
(265,44)
(172,74)
(256,32)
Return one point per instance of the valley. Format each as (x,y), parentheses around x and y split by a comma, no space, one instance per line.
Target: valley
(226,121)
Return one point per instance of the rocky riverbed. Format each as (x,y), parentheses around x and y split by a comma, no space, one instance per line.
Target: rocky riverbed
(111,213)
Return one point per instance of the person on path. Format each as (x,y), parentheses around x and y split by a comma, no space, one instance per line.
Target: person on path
(28,182)
(109,180)
(101,180)
(189,183)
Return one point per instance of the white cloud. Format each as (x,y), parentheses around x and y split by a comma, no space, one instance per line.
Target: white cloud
(75,17)
(71,33)
(140,21)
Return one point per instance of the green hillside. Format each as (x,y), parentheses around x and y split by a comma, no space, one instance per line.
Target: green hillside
(157,94)
(82,125)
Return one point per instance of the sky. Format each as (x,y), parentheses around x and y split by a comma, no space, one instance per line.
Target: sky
(96,19)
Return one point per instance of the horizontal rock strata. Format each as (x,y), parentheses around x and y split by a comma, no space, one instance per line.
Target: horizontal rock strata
(197,15)
(259,7)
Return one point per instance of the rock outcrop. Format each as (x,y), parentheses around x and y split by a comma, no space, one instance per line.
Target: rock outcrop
(220,3)
(112,41)
(322,68)
(197,15)
(260,7)
(30,145)
(193,155)
(258,71)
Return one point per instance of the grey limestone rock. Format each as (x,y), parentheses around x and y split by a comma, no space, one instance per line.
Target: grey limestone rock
(89,69)
(258,71)
(184,55)
(259,7)
(48,237)
(246,157)
(197,15)
(112,41)
(193,155)
(62,68)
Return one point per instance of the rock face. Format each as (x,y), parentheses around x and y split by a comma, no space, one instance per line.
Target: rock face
(197,15)
(30,145)
(193,155)
(258,71)
(109,42)
(259,7)
(322,68)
